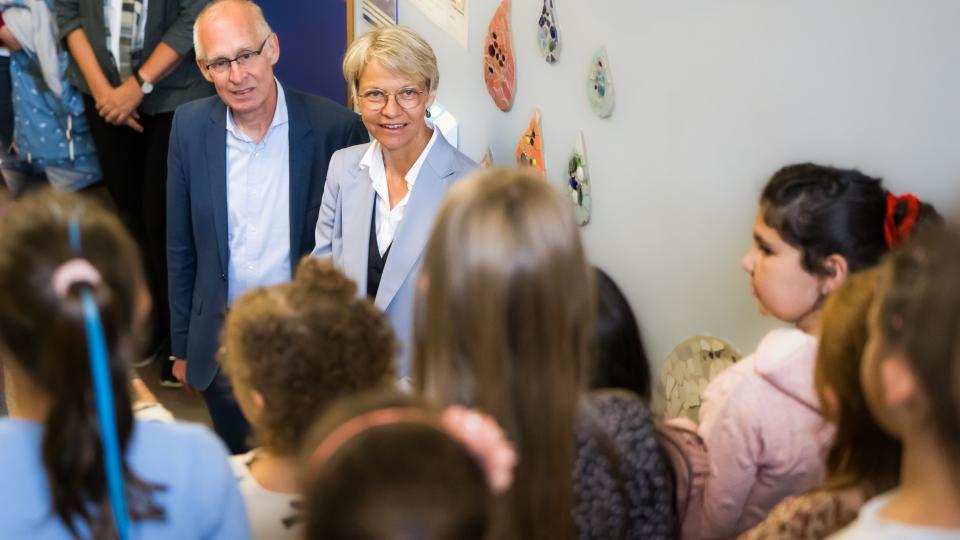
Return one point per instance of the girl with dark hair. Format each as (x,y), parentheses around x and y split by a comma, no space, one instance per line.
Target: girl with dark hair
(507,325)
(910,355)
(863,460)
(64,266)
(620,360)
(290,351)
(761,419)
(386,466)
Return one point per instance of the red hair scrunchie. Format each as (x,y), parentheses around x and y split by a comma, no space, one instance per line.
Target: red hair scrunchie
(897,233)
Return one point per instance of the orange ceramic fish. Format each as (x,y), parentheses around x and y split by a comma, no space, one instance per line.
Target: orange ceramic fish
(530,148)
(499,70)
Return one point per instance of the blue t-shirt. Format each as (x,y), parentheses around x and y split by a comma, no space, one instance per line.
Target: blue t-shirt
(201,499)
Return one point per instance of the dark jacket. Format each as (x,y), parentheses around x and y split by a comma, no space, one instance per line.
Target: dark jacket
(170,21)
(620,477)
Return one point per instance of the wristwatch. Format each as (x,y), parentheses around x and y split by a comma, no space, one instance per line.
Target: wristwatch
(145,87)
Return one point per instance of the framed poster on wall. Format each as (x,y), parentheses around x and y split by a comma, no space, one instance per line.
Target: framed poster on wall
(313,37)
(379,12)
(449,15)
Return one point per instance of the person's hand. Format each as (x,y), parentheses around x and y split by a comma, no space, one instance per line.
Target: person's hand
(683,422)
(8,40)
(141,394)
(180,370)
(146,406)
(132,123)
(118,105)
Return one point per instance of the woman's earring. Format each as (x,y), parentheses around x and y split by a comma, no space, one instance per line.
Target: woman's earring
(428,113)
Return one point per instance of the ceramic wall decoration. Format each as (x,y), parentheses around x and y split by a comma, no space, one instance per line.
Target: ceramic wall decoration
(578,181)
(530,148)
(499,70)
(600,84)
(685,375)
(549,33)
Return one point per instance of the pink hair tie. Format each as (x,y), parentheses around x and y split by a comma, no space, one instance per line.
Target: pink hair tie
(477,432)
(485,439)
(74,271)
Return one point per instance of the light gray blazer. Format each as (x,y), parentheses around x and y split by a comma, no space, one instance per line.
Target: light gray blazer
(343,229)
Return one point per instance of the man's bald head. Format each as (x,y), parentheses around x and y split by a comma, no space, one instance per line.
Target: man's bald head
(245,9)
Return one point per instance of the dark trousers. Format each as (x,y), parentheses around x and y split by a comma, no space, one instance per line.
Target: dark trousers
(228,421)
(134,169)
(6,104)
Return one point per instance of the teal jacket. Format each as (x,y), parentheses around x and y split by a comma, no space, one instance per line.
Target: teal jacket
(169,21)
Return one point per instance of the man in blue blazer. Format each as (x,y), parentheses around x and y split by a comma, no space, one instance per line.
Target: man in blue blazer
(246,173)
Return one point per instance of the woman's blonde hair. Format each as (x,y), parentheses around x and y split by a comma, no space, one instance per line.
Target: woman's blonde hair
(861,454)
(397,48)
(504,322)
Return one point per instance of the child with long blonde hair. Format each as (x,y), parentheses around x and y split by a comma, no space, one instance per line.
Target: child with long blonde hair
(907,372)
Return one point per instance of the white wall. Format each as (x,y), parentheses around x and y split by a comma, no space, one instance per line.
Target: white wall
(712,97)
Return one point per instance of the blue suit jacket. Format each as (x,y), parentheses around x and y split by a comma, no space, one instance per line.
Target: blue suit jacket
(197,248)
(343,230)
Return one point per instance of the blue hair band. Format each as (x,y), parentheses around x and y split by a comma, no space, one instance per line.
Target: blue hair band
(103,392)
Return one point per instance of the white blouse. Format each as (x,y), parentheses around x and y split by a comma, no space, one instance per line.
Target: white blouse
(272,515)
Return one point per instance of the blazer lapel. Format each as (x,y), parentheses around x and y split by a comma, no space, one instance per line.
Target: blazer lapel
(301,156)
(414,231)
(216,155)
(358,214)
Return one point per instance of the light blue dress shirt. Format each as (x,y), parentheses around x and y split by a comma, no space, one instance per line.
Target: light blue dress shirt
(258,204)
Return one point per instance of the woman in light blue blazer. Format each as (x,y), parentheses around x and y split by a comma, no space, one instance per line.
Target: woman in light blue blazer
(380,198)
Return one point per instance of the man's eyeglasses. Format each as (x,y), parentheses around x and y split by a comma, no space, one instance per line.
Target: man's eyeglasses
(222,65)
(408,98)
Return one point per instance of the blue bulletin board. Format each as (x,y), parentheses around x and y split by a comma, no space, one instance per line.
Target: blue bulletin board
(313,38)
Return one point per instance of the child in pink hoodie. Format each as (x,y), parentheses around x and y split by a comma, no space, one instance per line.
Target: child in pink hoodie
(760,419)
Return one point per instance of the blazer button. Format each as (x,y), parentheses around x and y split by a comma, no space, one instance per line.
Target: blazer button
(223,277)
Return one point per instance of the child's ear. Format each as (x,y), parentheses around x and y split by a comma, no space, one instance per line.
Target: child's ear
(142,307)
(899,384)
(258,402)
(251,402)
(837,271)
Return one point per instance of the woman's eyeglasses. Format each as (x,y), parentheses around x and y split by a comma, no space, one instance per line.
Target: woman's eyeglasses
(408,98)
